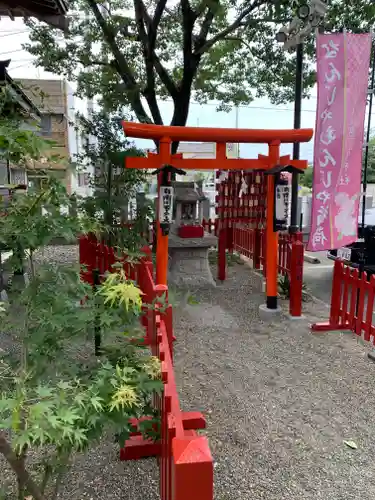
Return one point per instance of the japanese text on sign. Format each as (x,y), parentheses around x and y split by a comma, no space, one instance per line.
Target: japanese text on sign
(166,204)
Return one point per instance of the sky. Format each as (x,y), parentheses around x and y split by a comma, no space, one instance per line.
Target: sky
(259,114)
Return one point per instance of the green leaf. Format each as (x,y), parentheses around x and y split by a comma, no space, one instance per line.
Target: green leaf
(68,416)
(44,392)
(192,300)
(97,403)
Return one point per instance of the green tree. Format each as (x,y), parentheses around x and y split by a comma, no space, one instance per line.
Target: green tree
(371,162)
(54,398)
(306,179)
(113,184)
(131,55)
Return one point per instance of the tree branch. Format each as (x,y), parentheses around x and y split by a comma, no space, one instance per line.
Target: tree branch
(227,31)
(157,15)
(206,25)
(18,467)
(149,41)
(191,62)
(149,91)
(94,62)
(121,64)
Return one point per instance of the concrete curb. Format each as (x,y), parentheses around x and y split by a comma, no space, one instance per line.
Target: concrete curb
(310,259)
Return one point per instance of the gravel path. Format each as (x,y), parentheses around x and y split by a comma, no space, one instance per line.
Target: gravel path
(280,402)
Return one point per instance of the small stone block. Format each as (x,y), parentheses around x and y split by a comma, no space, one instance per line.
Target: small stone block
(266,314)
(294,318)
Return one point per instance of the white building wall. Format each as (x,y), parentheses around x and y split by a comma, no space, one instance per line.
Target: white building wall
(76,142)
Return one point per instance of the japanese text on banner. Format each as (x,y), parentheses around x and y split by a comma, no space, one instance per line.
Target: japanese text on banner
(343,61)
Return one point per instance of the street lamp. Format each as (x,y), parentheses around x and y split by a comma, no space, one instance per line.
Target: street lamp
(309,16)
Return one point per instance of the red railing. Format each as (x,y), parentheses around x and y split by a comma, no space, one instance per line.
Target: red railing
(352,303)
(252,244)
(185,461)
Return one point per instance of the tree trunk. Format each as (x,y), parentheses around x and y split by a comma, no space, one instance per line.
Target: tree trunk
(19,469)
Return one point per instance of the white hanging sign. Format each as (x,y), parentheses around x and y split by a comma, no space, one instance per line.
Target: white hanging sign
(244,188)
(166,204)
(282,203)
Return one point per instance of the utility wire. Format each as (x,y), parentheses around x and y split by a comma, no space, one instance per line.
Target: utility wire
(10,52)
(3,35)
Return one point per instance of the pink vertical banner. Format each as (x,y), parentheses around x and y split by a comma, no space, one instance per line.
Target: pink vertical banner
(342,75)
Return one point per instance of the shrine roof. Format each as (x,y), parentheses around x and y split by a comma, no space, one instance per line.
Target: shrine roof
(188,192)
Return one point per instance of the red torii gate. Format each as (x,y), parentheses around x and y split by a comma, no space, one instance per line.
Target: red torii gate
(166,135)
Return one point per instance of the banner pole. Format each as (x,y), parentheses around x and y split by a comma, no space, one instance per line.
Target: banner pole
(365,166)
(296,146)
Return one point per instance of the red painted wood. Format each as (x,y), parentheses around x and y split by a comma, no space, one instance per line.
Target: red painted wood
(192,458)
(349,310)
(370,308)
(337,283)
(257,248)
(296,279)
(190,231)
(344,313)
(359,324)
(221,261)
(353,281)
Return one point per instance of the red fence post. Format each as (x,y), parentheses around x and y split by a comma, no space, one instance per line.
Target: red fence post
(192,469)
(257,248)
(296,278)
(221,258)
(230,239)
(334,322)
(334,317)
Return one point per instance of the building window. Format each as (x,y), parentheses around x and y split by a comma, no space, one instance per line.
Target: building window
(45,125)
(83,180)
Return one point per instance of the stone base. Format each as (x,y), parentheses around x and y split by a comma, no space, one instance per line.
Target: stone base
(189,267)
(266,314)
(295,318)
(188,261)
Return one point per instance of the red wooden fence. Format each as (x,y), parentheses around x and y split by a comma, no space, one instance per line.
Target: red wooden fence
(352,303)
(185,461)
(252,243)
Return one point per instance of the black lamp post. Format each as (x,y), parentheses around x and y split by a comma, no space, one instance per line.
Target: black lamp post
(368,132)
(296,146)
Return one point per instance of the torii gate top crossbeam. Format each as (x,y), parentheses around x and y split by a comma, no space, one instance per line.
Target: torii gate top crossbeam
(202,134)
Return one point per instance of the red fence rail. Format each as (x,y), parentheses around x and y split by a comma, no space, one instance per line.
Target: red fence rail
(251,243)
(352,303)
(185,461)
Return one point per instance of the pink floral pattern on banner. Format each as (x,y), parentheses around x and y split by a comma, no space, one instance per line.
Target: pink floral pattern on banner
(342,74)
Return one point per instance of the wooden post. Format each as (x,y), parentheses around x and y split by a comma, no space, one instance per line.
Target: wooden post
(257,248)
(162,241)
(221,257)
(296,279)
(192,469)
(272,236)
(336,292)
(334,322)
(230,239)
